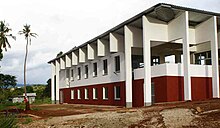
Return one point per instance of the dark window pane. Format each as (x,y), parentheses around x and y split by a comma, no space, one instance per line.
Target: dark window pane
(105,67)
(117,64)
(94,69)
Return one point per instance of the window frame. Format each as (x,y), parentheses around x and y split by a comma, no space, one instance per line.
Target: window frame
(72,94)
(105,67)
(86,74)
(78,94)
(95,93)
(72,75)
(115,93)
(105,95)
(117,64)
(86,92)
(79,73)
(95,69)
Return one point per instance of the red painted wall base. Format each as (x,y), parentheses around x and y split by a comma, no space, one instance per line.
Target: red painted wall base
(99,101)
(171,88)
(166,89)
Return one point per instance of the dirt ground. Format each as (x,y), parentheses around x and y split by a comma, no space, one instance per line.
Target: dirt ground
(171,115)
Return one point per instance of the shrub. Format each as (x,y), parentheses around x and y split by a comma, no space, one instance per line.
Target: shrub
(8,121)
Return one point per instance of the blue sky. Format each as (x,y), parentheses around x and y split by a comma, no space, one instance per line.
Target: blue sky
(63,24)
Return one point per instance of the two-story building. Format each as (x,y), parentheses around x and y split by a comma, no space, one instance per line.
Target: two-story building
(166,53)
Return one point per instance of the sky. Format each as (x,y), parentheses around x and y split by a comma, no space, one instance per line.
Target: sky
(64,24)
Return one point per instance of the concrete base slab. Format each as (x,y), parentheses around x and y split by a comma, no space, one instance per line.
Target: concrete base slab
(147,103)
(128,104)
(55,101)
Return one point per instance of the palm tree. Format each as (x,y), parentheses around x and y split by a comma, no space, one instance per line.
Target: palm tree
(4,34)
(27,34)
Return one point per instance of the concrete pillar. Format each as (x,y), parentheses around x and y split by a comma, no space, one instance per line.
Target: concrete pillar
(91,51)
(68,61)
(62,63)
(186,58)
(214,52)
(75,56)
(53,70)
(101,47)
(82,55)
(128,66)
(147,62)
(177,58)
(57,94)
(162,59)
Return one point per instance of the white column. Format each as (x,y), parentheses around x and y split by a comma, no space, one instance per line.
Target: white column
(101,47)
(57,82)
(214,52)
(147,62)
(186,58)
(90,52)
(62,63)
(68,61)
(82,55)
(75,58)
(128,66)
(53,70)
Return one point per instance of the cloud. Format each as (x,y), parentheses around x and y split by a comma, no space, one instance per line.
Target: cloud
(61,25)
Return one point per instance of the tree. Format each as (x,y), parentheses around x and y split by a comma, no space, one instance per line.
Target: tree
(7,81)
(4,34)
(27,34)
(47,90)
(1,55)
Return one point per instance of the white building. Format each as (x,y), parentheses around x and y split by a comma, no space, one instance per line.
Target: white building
(166,53)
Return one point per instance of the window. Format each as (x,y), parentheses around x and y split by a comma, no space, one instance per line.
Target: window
(117,92)
(105,93)
(79,73)
(67,73)
(105,67)
(72,74)
(203,58)
(72,94)
(95,93)
(78,94)
(155,60)
(170,59)
(117,64)
(86,93)
(94,69)
(86,72)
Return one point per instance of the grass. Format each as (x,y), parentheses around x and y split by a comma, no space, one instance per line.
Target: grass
(8,121)
(6,105)
(27,120)
(42,101)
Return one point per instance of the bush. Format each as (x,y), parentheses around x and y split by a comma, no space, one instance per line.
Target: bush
(8,121)
(42,101)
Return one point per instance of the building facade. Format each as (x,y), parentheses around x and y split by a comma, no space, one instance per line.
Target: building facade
(166,53)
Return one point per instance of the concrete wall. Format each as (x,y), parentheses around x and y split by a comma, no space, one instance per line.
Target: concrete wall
(100,79)
(169,69)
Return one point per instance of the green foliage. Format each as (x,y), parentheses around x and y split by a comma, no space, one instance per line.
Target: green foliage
(47,90)
(8,121)
(5,105)
(4,34)
(60,53)
(27,120)
(43,101)
(7,81)
(1,55)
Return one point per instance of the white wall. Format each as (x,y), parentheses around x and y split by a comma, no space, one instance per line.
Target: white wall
(168,69)
(111,77)
(158,30)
